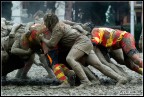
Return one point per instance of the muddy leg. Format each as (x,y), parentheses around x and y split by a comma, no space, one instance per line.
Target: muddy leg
(71,59)
(132,66)
(58,71)
(19,73)
(47,68)
(93,60)
(90,75)
(112,66)
(69,73)
(22,73)
(118,56)
(137,60)
(123,59)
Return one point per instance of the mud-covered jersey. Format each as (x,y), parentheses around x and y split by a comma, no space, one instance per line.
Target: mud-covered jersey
(32,41)
(106,37)
(66,36)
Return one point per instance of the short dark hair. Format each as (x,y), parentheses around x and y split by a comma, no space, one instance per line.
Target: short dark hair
(50,20)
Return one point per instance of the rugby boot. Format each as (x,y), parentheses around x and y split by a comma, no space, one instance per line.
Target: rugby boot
(64,84)
(69,73)
(81,74)
(91,76)
(71,77)
(60,76)
(121,80)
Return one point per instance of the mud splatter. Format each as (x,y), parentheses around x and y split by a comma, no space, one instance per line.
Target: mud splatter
(38,75)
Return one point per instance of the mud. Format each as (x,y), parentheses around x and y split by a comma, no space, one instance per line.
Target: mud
(39,84)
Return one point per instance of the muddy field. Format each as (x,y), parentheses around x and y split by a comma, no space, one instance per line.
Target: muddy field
(107,86)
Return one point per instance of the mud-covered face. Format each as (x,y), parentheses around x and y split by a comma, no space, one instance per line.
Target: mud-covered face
(50,20)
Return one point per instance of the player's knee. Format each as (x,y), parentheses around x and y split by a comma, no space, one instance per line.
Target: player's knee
(68,59)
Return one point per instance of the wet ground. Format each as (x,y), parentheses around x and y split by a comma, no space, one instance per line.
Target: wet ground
(39,85)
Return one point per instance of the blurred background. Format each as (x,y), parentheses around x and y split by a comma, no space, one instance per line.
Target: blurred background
(114,14)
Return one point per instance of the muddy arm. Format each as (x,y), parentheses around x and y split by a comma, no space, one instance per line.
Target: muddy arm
(69,22)
(80,29)
(18,51)
(53,41)
(76,26)
(15,27)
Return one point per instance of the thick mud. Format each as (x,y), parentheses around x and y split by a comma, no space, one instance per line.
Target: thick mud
(39,84)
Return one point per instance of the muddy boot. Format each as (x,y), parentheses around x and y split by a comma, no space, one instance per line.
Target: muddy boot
(55,82)
(51,77)
(21,75)
(91,76)
(81,74)
(69,73)
(61,76)
(62,85)
(95,82)
(121,81)
(71,77)
(83,84)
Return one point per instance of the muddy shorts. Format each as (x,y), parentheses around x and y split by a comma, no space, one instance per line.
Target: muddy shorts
(84,44)
(52,57)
